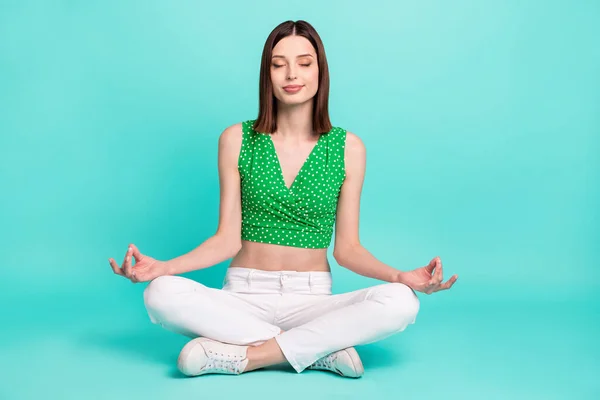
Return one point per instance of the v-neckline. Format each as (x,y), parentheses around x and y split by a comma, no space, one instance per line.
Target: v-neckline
(281,176)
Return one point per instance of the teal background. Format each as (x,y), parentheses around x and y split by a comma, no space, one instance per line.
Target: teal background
(482,126)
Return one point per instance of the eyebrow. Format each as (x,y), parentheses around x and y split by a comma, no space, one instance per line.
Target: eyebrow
(301,55)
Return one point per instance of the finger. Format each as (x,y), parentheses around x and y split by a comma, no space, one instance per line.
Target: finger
(136,252)
(448,284)
(115,267)
(127,263)
(439,274)
(124,262)
(429,267)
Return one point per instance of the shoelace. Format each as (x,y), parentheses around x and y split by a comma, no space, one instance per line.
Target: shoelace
(326,362)
(224,362)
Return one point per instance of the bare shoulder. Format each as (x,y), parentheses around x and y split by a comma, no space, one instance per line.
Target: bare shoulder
(355,147)
(231,136)
(230,144)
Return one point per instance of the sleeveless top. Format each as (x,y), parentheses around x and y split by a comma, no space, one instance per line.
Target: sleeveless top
(302,215)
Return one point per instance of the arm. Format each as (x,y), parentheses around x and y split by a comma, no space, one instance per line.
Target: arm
(226,242)
(348,251)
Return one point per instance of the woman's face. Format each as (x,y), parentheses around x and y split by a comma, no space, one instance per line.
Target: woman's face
(294,63)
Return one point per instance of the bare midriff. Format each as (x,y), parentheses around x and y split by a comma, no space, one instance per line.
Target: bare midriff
(274,257)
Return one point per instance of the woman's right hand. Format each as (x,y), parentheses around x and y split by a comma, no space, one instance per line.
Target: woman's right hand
(145,269)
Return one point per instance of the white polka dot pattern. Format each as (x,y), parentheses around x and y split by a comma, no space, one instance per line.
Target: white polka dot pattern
(302,215)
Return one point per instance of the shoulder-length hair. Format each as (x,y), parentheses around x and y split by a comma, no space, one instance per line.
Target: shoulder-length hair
(267,113)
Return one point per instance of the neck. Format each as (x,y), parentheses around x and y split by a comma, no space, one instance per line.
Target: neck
(295,121)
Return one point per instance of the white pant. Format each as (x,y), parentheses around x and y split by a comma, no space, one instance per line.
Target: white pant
(254,306)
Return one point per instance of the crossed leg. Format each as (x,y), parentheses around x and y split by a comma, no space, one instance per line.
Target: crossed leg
(190,308)
(315,328)
(314,325)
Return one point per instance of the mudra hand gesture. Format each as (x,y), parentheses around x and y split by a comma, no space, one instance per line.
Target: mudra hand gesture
(422,279)
(145,269)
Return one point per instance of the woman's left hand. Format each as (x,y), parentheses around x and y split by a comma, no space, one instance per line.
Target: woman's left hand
(424,280)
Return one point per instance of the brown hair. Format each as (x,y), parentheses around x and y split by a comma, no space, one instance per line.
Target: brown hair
(267,112)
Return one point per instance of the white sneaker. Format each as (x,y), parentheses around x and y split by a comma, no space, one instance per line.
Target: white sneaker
(204,356)
(345,362)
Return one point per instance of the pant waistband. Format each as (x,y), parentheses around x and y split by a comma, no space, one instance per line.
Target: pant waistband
(250,280)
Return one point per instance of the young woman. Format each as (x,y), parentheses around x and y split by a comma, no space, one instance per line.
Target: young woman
(285,178)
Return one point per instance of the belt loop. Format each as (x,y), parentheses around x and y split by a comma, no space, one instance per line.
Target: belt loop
(310,282)
(249,279)
(281,288)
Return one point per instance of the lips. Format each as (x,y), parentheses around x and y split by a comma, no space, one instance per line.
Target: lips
(292,88)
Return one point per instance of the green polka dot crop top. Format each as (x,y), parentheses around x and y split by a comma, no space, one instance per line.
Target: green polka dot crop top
(302,215)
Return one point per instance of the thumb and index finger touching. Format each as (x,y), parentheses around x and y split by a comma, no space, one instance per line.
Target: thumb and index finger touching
(435,261)
(135,252)
(132,250)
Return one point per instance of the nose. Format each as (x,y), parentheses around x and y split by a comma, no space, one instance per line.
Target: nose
(291,73)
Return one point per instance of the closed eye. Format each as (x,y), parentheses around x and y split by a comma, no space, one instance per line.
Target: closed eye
(277,66)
